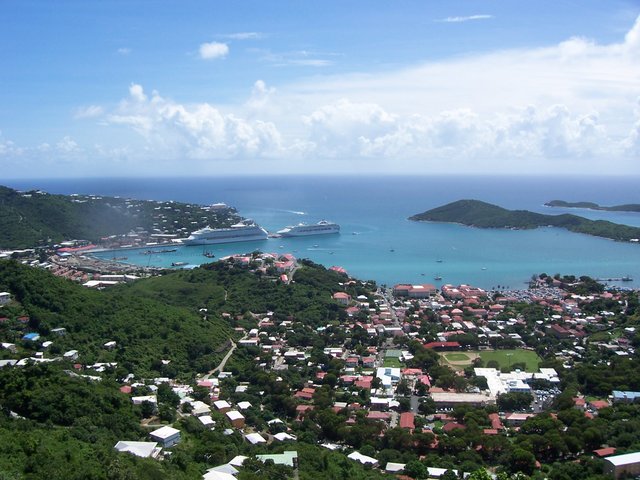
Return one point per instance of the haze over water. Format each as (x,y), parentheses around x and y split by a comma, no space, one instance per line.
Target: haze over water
(378,242)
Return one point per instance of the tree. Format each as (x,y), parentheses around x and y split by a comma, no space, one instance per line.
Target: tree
(147,409)
(427,406)
(514,401)
(480,474)
(416,469)
(520,460)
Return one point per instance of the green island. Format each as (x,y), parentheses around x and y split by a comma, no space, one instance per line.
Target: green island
(36,218)
(628,207)
(475,213)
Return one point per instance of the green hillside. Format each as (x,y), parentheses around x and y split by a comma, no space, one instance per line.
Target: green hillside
(35,218)
(146,330)
(485,215)
(629,207)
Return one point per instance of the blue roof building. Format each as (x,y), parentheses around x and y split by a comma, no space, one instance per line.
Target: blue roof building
(32,337)
(625,397)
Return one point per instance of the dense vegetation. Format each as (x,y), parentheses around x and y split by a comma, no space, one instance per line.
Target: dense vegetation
(629,207)
(225,287)
(35,218)
(485,215)
(146,330)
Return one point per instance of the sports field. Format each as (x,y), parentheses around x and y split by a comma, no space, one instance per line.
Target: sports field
(392,363)
(505,358)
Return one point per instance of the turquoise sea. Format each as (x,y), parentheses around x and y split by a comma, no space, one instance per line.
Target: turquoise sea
(378,242)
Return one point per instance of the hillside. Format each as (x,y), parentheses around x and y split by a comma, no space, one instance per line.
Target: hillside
(35,218)
(146,330)
(629,207)
(480,214)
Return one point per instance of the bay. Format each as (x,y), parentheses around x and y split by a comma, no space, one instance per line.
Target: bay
(378,242)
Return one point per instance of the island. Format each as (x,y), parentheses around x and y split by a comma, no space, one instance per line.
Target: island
(628,207)
(475,213)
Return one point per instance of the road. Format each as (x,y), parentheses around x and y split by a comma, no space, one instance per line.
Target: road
(221,365)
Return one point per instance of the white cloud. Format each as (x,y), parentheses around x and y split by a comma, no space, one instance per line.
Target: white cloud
(89,111)
(302,58)
(67,145)
(556,109)
(213,50)
(260,95)
(244,36)
(9,148)
(124,51)
(198,131)
(468,18)
(137,92)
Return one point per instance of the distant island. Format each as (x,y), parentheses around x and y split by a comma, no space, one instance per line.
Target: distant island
(629,207)
(476,213)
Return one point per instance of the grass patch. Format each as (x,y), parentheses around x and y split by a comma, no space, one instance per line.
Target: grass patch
(505,358)
(456,357)
(392,362)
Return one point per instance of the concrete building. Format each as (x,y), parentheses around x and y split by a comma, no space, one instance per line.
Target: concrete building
(414,291)
(236,418)
(288,458)
(166,436)
(5,297)
(625,397)
(139,449)
(619,465)
(452,399)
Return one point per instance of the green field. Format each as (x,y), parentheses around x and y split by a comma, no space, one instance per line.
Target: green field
(505,358)
(457,357)
(393,363)
(508,357)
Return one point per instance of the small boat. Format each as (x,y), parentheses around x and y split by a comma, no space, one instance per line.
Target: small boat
(484,268)
(437,277)
(178,264)
(627,279)
(209,254)
(438,261)
(391,250)
(116,259)
(164,250)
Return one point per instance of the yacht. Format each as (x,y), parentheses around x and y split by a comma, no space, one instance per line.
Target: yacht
(302,229)
(245,231)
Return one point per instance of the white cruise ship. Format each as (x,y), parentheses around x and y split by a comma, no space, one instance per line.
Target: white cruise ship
(302,229)
(240,232)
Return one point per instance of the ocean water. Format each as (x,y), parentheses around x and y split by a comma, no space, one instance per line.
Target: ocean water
(378,242)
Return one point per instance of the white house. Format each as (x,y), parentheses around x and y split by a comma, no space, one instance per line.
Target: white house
(139,449)
(166,436)
(5,297)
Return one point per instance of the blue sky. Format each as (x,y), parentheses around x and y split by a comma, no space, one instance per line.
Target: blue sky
(122,87)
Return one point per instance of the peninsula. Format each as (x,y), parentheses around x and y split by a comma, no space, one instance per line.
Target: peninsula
(628,207)
(476,213)
(37,218)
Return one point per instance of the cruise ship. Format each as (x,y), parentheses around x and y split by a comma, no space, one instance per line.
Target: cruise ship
(246,231)
(302,229)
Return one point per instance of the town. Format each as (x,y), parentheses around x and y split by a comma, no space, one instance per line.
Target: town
(407,380)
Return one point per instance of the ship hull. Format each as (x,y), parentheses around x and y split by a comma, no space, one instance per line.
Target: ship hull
(307,234)
(213,237)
